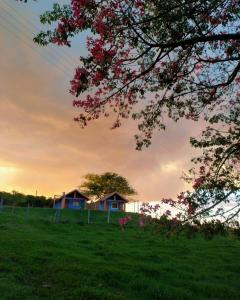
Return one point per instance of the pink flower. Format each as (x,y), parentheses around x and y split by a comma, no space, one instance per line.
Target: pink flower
(199,66)
(237,79)
(198,182)
(141,223)
(123,221)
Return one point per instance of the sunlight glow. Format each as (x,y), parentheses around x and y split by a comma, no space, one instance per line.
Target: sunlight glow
(7,170)
(7,176)
(170,167)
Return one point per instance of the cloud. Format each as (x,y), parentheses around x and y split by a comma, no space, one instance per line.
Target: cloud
(170,166)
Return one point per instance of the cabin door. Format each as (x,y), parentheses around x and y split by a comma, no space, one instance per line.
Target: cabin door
(101,206)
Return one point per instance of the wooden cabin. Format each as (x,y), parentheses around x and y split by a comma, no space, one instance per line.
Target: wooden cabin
(112,202)
(73,200)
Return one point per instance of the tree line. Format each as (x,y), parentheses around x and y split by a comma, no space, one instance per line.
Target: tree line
(93,185)
(19,199)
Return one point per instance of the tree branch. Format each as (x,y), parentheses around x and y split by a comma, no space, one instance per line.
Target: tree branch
(195,40)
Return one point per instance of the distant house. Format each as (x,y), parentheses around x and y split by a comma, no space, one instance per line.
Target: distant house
(112,202)
(74,200)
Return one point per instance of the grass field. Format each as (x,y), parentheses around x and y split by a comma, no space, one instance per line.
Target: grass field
(40,259)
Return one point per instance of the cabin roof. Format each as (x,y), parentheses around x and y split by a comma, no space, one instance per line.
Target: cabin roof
(106,197)
(75,190)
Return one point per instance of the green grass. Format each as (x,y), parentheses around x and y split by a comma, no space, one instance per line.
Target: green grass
(40,259)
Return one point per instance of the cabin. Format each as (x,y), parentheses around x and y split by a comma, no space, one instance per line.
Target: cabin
(112,202)
(73,200)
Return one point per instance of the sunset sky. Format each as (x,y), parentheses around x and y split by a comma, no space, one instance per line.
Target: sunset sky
(43,149)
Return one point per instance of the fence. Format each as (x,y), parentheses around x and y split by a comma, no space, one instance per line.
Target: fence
(61,216)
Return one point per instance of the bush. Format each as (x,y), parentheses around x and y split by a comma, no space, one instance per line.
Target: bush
(209,229)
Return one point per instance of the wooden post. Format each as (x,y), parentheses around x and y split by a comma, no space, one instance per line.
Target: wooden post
(1,204)
(105,205)
(63,200)
(27,210)
(108,216)
(57,216)
(89,216)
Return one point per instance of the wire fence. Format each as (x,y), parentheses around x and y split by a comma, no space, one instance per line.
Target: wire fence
(65,216)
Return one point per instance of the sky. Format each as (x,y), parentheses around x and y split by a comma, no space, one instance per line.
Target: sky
(42,149)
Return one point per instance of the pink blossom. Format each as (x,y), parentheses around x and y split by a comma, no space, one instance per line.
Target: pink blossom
(124,221)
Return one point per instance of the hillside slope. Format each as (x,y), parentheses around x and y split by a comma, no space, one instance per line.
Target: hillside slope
(40,259)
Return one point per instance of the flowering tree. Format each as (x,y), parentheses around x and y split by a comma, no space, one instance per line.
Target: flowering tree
(179,60)
(216,177)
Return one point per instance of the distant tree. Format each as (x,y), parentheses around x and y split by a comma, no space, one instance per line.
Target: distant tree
(99,185)
(19,199)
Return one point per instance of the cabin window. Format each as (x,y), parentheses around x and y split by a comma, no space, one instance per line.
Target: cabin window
(75,203)
(114,205)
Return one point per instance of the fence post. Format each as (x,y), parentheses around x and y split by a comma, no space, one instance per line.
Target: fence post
(57,215)
(27,211)
(108,216)
(1,204)
(63,200)
(88,216)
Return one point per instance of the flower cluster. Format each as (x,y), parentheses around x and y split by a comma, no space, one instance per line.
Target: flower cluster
(124,221)
(147,208)
(80,81)
(198,182)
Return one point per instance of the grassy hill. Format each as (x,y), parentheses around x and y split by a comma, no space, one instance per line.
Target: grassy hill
(40,259)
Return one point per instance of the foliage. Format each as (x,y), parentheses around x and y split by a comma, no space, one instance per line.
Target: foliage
(216,174)
(18,199)
(170,225)
(216,177)
(186,53)
(100,185)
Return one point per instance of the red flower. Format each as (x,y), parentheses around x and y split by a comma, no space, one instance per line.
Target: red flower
(198,182)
